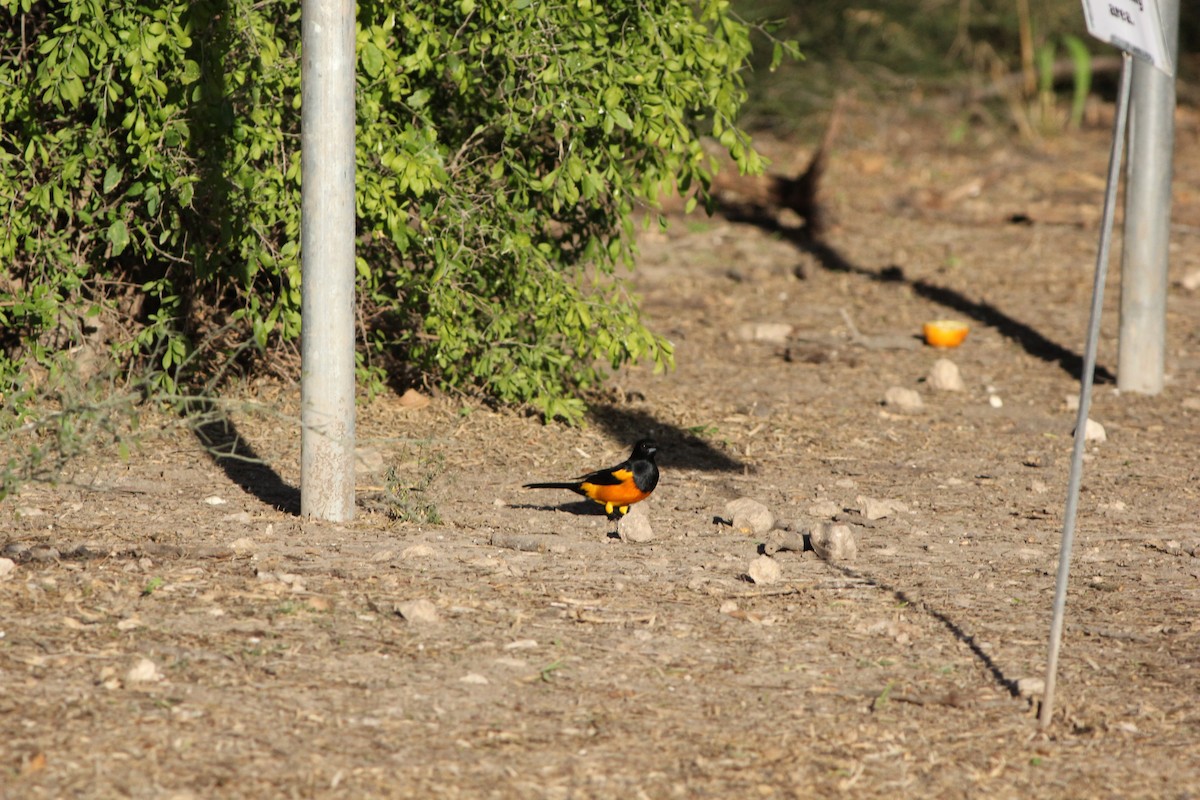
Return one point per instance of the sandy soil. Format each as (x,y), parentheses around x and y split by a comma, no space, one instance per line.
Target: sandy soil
(172,629)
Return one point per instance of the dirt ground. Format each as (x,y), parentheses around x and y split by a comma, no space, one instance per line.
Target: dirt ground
(171,628)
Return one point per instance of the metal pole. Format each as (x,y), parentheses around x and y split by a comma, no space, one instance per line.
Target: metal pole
(1085,392)
(1141,351)
(327,259)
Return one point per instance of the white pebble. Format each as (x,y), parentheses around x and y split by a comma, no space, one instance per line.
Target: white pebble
(764,571)
(994,401)
(144,671)
(1094,432)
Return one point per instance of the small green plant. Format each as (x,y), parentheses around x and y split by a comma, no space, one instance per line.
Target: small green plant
(65,415)
(1047,112)
(152,586)
(406,492)
(883,698)
(546,674)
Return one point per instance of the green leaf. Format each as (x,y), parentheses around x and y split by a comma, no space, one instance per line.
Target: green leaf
(372,59)
(419,98)
(112,176)
(190,72)
(118,235)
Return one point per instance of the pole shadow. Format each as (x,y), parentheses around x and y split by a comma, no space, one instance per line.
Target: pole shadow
(238,459)
(1028,338)
(1002,680)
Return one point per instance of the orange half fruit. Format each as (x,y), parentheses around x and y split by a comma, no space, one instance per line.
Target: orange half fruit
(945,333)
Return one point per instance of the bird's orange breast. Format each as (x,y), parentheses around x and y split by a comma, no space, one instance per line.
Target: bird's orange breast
(619,494)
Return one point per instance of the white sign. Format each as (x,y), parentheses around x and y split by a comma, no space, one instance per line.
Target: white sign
(1133,25)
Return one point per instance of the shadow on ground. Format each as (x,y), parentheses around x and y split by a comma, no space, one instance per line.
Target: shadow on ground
(678,448)
(239,460)
(1030,339)
(1003,681)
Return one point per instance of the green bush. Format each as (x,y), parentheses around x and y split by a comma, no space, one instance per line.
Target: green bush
(149,176)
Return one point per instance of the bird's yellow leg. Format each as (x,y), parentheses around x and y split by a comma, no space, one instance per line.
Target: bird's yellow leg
(608,507)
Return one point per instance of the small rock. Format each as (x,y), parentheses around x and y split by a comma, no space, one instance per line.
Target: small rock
(749,517)
(764,571)
(1029,687)
(768,332)
(213,500)
(144,671)
(16,550)
(945,377)
(728,606)
(416,551)
(413,399)
(510,663)
(824,508)
(521,644)
(418,612)
(834,542)
(242,545)
(475,679)
(1038,486)
(1191,281)
(1072,401)
(873,508)
(42,552)
(7,565)
(1038,460)
(994,401)
(904,400)
(1094,432)
(635,526)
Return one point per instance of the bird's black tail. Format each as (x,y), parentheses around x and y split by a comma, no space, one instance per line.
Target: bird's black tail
(572,486)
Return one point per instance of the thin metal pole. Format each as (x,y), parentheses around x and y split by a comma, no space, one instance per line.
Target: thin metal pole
(1085,392)
(1141,355)
(327,259)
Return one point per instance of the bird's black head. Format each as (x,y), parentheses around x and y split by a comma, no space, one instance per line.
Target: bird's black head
(646,449)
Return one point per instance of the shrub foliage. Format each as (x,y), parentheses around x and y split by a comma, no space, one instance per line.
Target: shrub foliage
(149,181)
